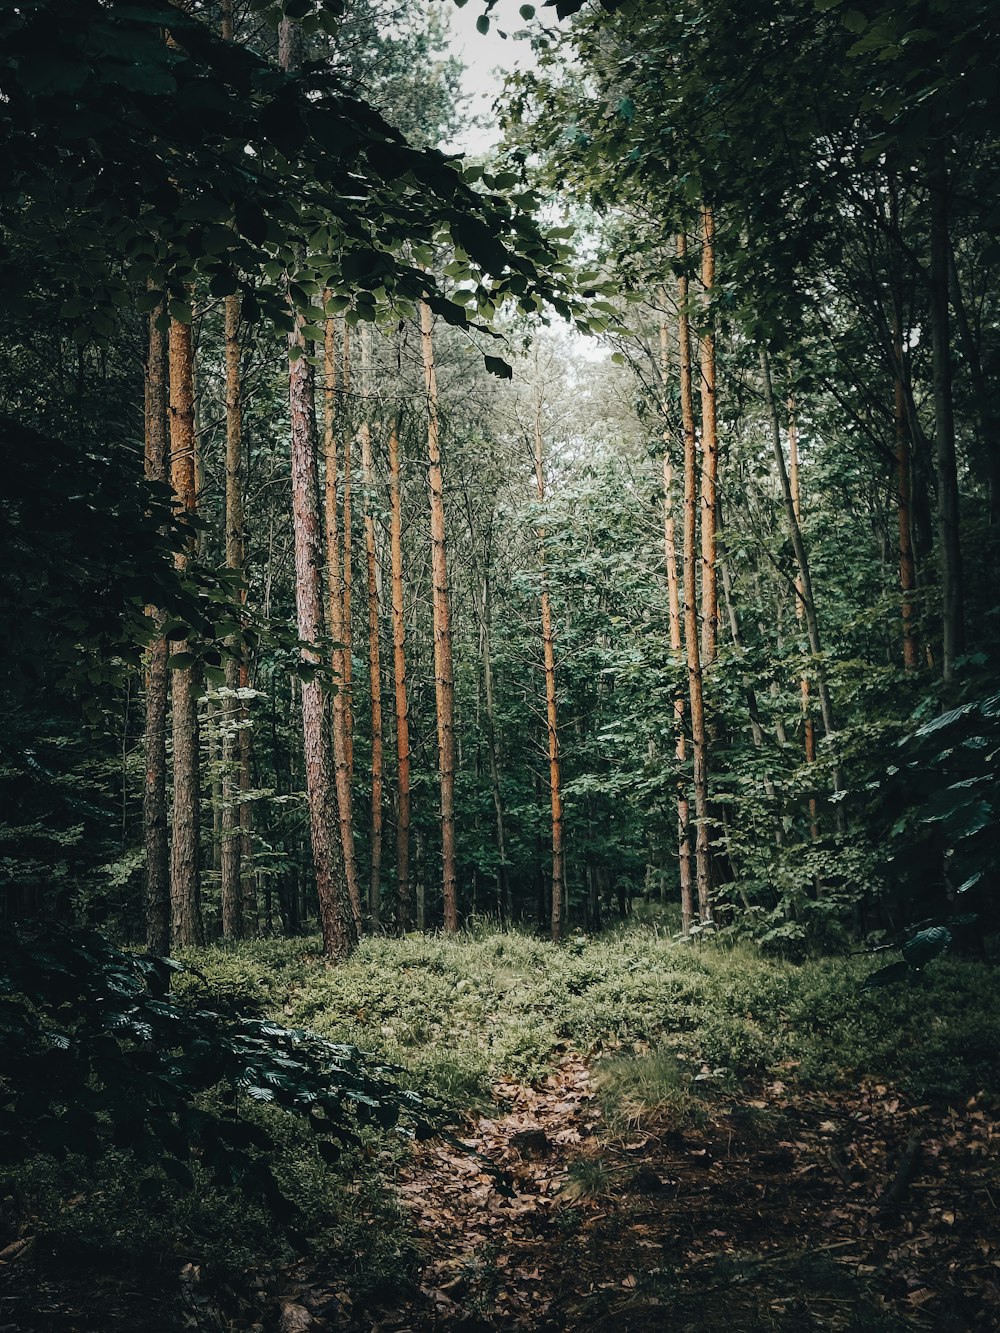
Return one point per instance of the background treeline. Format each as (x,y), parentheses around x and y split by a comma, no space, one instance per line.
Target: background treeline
(712,621)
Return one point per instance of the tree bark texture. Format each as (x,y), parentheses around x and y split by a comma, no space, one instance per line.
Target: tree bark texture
(154,802)
(404,910)
(337,921)
(444,681)
(374,653)
(699,740)
(709,448)
(232,839)
(551,711)
(185,885)
(676,648)
(335,602)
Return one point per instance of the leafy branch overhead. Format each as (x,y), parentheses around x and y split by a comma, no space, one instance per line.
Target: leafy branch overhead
(197,160)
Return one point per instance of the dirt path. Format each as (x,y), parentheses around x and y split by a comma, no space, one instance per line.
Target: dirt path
(788,1211)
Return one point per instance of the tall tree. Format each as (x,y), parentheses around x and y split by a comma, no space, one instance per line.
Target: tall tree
(374,651)
(337,921)
(335,603)
(403,904)
(157,675)
(676,643)
(709,445)
(551,710)
(699,737)
(185,881)
(444,678)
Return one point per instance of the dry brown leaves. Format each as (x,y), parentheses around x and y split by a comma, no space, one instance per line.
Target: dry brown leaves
(783,1173)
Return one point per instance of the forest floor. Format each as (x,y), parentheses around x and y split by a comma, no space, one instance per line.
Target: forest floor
(779,1210)
(642,1136)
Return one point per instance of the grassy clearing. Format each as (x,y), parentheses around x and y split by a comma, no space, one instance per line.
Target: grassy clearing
(668,1027)
(460,1013)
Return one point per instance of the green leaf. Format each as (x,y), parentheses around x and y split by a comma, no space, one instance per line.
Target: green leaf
(925,945)
(886,975)
(483,24)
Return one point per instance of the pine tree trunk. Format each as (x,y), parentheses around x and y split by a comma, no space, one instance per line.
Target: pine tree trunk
(337,922)
(808,729)
(335,602)
(676,648)
(505,907)
(374,653)
(952,591)
(347,568)
(699,740)
(444,682)
(548,650)
(709,449)
(232,837)
(154,804)
(185,885)
(404,912)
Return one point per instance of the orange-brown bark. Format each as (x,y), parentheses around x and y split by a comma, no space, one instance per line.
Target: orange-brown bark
(154,803)
(374,653)
(709,450)
(676,647)
(699,742)
(403,904)
(185,886)
(551,711)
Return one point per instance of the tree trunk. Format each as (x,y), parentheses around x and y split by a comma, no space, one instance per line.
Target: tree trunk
(505,907)
(548,650)
(952,593)
(335,602)
(232,837)
(154,802)
(337,922)
(699,740)
(374,653)
(403,904)
(676,648)
(185,886)
(803,586)
(808,730)
(980,391)
(709,449)
(444,681)
(347,574)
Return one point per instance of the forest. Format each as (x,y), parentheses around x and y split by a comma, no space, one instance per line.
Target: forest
(500,753)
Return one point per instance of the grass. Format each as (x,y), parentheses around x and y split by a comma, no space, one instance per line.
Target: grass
(460,1013)
(666,1025)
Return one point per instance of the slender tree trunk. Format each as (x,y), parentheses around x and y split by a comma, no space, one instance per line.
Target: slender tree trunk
(232,841)
(185,885)
(676,648)
(980,391)
(699,740)
(348,563)
(952,591)
(337,921)
(505,907)
(403,904)
(804,589)
(154,804)
(808,729)
(444,681)
(374,653)
(548,650)
(709,449)
(335,602)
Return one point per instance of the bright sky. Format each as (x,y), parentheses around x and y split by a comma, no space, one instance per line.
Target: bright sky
(487,59)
